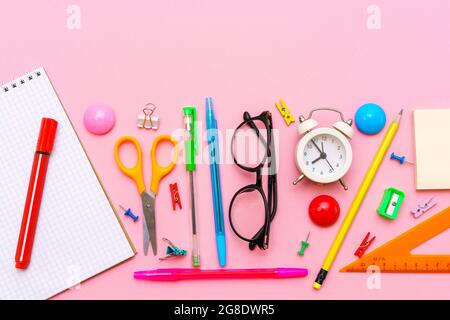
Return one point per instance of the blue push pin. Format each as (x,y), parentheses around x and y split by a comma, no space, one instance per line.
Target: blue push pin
(128,213)
(401,159)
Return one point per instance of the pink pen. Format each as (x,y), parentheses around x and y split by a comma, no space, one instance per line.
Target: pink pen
(173,274)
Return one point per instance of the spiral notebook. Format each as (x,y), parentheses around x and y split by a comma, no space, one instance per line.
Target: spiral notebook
(79,234)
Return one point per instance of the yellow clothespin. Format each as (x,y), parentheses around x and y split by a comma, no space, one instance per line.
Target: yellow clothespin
(284,111)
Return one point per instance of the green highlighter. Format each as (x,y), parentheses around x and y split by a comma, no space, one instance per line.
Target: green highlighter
(191,150)
(391,202)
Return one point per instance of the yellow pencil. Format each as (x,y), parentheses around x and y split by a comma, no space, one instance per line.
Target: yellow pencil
(362,191)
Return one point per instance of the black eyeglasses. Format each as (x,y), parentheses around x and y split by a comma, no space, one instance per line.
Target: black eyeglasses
(267,157)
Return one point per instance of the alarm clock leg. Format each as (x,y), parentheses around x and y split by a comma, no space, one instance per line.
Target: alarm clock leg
(343,184)
(298,179)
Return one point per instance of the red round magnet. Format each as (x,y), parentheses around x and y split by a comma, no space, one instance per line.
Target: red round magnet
(324,210)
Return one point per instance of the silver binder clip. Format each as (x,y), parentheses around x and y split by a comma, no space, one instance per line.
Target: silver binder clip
(148,120)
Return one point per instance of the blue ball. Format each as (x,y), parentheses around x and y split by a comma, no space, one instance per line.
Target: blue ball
(370,118)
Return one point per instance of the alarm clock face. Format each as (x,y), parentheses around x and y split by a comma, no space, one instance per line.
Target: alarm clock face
(324,155)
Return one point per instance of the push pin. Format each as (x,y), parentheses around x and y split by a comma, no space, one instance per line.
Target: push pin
(282,107)
(127,212)
(423,207)
(148,120)
(175,196)
(401,159)
(365,244)
(172,251)
(305,245)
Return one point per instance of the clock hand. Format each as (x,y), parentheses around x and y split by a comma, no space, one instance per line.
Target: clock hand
(323,151)
(314,161)
(315,145)
(329,164)
(323,155)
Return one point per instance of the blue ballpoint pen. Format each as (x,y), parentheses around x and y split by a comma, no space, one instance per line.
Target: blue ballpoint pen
(213,143)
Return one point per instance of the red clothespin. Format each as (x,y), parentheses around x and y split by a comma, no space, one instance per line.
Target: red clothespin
(364,245)
(175,196)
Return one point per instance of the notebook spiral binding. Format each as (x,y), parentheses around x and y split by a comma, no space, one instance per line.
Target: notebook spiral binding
(14,84)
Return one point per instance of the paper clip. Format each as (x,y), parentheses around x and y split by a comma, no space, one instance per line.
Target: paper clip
(172,251)
(364,245)
(175,196)
(148,120)
(284,111)
(423,207)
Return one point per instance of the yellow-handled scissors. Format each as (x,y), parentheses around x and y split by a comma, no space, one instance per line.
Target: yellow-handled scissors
(136,174)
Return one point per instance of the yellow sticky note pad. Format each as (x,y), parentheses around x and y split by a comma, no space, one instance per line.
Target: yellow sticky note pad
(432,136)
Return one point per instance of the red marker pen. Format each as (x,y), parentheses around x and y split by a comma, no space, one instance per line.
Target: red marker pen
(35,189)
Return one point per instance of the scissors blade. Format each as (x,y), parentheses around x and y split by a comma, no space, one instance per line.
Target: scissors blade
(148,205)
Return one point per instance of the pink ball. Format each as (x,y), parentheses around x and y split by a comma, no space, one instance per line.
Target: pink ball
(99,118)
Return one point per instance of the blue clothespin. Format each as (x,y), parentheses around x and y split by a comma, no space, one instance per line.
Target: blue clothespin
(127,212)
(172,251)
(401,159)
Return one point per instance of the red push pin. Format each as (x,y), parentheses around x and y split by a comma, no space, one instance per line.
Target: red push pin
(175,196)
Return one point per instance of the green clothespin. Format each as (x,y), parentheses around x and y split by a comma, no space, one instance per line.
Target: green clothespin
(305,245)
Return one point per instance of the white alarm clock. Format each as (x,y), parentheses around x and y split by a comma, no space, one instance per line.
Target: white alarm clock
(324,155)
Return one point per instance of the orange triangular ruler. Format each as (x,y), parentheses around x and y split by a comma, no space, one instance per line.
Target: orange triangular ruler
(395,256)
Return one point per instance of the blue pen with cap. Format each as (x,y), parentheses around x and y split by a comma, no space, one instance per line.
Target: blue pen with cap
(214,151)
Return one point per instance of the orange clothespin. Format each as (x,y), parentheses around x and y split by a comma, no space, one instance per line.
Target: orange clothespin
(175,196)
(364,245)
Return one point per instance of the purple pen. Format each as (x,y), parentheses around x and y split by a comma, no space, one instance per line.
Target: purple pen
(173,274)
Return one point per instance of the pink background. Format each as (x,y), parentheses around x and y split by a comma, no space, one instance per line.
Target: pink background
(245,54)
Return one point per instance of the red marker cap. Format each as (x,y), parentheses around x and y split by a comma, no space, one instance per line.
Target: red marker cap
(47,135)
